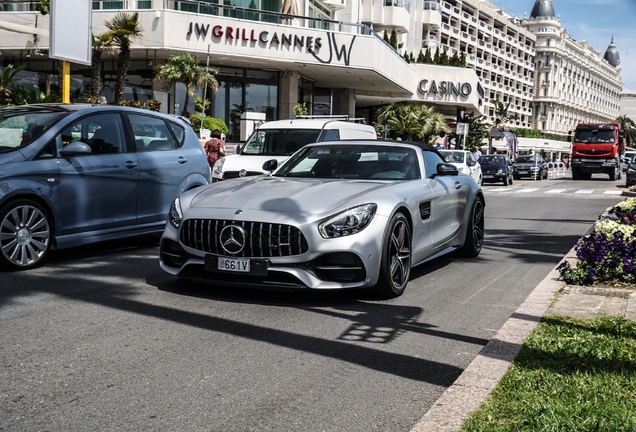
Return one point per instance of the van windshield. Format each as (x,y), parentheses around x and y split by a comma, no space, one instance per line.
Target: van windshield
(279,142)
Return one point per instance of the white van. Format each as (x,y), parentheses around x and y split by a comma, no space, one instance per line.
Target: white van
(281,138)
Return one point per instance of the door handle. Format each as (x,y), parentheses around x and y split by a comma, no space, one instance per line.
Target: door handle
(458,185)
(130,164)
(182,160)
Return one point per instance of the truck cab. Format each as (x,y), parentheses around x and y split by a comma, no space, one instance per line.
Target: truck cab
(597,148)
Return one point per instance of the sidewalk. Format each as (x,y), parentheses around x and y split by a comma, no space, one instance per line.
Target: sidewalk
(482,375)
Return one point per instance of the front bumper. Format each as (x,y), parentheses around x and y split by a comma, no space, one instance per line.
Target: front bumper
(335,263)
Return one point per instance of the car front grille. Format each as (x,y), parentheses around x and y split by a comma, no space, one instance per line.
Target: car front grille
(262,239)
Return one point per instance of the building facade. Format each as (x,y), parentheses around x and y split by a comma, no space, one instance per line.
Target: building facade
(574,83)
(334,56)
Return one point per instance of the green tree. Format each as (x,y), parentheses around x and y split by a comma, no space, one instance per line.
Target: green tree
(185,68)
(477,130)
(101,43)
(443,58)
(413,121)
(629,129)
(420,57)
(503,114)
(7,84)
(427,56)
(393,39)
(123,28)
(436,56)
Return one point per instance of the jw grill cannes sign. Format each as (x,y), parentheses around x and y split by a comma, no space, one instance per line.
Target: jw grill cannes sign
(326,49)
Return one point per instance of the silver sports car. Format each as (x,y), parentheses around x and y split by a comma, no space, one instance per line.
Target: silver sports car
(345,214)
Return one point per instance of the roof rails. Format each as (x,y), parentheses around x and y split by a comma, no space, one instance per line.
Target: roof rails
(343,117)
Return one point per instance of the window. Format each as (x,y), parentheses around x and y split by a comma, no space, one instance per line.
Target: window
(151,134)
(104,133)
(431,159)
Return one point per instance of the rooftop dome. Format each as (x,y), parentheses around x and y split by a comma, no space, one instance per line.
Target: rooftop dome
(542,8)
(611,54)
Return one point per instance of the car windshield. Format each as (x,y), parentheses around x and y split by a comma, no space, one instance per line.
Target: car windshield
(492,160)
(522,159)
(353,161)
(20,127)
(590,136)
(279,142)
(453,157)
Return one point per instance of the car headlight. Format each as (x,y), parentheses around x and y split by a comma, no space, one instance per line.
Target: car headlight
(348,222)
(218,166)
(500,171)
(176,215)
(631,170)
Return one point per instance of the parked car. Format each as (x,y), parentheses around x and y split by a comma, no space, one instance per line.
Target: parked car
(627,159)
(496,168)
(78,174)
(336,215)
(465,161)
(281,138)
(631,173)
(533,166)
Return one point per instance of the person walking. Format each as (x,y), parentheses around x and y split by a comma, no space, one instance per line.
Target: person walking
(214,148)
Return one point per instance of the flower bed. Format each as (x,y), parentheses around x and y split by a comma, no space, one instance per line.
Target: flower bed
(608,253)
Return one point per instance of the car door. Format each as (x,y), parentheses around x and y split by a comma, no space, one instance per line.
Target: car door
(163,166)
(449,194)
(98,191)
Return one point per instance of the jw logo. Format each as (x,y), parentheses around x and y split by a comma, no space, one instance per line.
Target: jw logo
(341,53)
(326,53)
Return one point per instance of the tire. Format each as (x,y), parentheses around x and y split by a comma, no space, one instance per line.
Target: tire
(475,232)
(506,181)
(25,235)
(612,175)
(395,263)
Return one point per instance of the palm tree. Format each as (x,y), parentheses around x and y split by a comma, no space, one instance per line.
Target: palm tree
(477,130)
(100,44)
(628,126)
(123,28)
(185,68)
(410,120)
(6,82)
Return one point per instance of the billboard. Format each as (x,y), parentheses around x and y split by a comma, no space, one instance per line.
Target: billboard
(71,31)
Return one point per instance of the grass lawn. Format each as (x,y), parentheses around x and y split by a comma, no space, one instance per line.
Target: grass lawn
(570,375)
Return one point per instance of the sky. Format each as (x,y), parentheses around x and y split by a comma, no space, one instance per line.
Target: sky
(595,21)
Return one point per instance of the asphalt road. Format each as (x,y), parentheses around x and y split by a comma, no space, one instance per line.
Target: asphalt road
(102,339)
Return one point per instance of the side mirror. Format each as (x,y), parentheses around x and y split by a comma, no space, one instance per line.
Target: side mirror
(76,148)
(270,165)
(238,148)
(447,169)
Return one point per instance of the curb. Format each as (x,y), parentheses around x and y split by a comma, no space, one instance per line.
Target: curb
(483,374)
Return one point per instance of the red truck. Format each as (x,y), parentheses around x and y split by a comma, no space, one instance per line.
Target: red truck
(597,148)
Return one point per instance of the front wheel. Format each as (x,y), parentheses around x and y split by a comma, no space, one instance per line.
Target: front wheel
(475,231)
(25,235)
(395,263)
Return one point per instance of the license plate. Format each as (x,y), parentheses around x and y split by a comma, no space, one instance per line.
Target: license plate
(234,264)
(489,176)
(523,172)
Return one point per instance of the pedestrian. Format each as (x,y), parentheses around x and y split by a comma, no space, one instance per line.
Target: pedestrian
(214,148)
(476,153)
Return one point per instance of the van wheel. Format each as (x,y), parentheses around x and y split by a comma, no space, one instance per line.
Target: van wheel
(25,235)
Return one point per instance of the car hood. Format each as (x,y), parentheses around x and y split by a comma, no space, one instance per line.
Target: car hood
(278,194)
(526,164)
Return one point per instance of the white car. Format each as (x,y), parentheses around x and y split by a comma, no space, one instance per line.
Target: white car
(466,163)
(281,138)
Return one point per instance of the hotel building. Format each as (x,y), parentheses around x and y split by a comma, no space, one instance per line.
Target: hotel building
(331,54)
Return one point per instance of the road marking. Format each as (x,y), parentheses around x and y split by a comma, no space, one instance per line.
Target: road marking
(613,192)
(556,191)
(584,191)
(527,190)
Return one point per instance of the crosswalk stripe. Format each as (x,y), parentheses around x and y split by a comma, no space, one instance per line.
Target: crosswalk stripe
(612,192)
(527,190)
(584,191)
(556,191)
